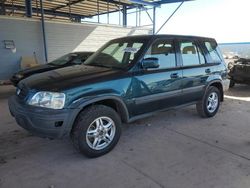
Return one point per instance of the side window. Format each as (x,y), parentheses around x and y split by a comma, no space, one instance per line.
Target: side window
(164,51)
(191,54)
(213,51)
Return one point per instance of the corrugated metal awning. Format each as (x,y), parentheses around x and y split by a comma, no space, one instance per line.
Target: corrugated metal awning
(75,8)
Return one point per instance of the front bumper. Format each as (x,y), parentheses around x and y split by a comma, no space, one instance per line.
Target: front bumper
(42,122)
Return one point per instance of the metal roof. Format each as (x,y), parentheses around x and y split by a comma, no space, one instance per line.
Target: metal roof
(65,9)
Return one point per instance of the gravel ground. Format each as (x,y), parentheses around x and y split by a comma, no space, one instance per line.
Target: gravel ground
(173,149)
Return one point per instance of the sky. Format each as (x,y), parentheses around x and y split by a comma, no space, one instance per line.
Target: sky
(225,20)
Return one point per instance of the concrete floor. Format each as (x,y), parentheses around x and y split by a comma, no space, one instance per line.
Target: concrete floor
(174,149)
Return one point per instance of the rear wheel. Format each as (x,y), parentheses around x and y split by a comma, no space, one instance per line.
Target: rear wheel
(96,131)
(210,103)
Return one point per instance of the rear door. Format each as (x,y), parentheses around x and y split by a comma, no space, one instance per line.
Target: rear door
(158,88)
(195,69)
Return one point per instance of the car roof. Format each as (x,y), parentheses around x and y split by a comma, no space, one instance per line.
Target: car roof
(149,37)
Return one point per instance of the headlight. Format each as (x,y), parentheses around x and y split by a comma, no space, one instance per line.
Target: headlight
(48,100)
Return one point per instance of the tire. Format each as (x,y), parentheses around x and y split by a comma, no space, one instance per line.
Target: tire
(232,83)
(100,123)
(202,106)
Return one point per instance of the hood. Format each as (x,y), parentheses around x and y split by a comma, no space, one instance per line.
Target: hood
(69,77)
(37,69)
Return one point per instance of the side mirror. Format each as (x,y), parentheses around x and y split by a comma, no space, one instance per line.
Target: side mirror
(150,63)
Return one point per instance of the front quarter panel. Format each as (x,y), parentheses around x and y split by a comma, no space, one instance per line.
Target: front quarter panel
(117,90)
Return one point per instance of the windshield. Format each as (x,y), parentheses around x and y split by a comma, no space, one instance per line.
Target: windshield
(72,58)
(119,53)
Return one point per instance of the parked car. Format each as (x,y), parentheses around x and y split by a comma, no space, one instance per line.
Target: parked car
(127,79)
(64,61)
(239,71)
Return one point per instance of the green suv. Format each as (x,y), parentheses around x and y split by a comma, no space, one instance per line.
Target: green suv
(127,79)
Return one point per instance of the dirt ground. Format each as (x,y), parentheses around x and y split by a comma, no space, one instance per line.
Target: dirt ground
(174,149)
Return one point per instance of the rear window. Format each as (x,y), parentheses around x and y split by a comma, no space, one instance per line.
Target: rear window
(191,54)
(214,51)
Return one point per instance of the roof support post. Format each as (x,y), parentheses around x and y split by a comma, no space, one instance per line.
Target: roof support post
(149,15)
(44,33)
(170,16)
(70,10)
(140,16)
(98,11)
(136,17)
(37,8)
(2,8)
(124,18)
(154,9)
(28,8)
(108,11)
(12,10)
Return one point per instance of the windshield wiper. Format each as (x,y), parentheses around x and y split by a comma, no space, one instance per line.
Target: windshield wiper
(97,65)
(101,65)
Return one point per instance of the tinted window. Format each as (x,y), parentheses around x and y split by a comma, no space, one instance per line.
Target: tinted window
(164,51)
(201,56)
(116,54)
(213,51)
(68,58)
(116,50)
(191,54)
(84,56)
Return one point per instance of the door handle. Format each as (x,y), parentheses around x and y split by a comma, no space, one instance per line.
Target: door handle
(174,75)
(208,71)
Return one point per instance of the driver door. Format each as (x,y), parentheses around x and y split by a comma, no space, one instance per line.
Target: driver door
(158,88)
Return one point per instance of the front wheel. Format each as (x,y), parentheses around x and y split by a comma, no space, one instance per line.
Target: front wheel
(210,103)
(96,130)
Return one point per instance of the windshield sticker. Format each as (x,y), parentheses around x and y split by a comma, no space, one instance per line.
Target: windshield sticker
(130,50)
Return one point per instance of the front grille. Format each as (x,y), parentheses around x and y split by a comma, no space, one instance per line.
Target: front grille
(22,92)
